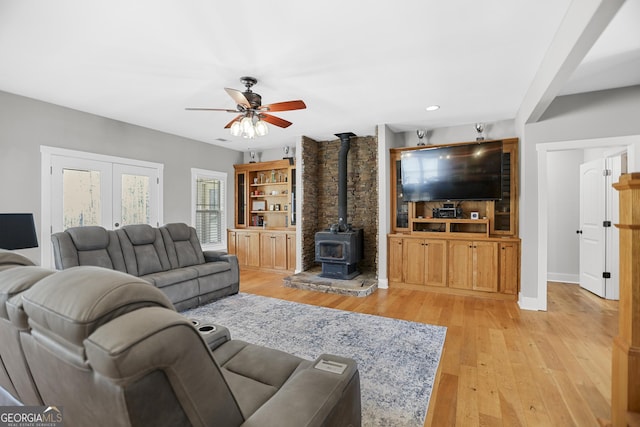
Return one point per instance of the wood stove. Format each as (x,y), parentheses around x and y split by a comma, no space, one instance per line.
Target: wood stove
(339,253)
(341,247)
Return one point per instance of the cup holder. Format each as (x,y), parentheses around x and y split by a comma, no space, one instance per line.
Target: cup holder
(194,322)
(206,329)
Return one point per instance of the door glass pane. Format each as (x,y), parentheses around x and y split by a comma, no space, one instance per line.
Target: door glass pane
(135,200)
(80,198)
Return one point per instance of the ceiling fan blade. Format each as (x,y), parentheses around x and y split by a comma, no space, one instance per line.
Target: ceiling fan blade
(238,117)
(277,121)
(284,106)
(211,109)
(238,97)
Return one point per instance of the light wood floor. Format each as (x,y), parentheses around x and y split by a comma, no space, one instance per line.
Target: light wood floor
(501,366)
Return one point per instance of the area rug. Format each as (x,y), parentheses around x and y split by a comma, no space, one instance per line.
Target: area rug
(397,359)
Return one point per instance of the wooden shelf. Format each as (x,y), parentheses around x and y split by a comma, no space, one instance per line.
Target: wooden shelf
(450,227)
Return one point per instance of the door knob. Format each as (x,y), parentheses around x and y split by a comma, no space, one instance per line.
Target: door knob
(117,224)
(578,231)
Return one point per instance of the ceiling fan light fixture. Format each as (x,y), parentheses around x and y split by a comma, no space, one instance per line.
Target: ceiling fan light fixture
(261,128)
(246,123)
(236,129)
(250,133)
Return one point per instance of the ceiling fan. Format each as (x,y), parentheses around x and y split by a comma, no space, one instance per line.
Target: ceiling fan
(250,122)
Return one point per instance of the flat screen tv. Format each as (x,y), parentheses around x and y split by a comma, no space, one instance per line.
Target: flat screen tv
(454,172)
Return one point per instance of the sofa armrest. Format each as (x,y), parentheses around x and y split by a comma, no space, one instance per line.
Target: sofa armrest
(213,335)
(211,256)
(314,397)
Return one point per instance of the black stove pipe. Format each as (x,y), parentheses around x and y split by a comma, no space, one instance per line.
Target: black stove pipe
(345,145)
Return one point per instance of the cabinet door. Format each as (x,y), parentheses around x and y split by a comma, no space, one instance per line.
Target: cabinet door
(460,264)
(435,263)
(280,251)
(394,268)
(414,255)
(266,250)
(291,251)
(485,266)
(399,207)
(509,265)
(505,210)
(241,196)
(248,248)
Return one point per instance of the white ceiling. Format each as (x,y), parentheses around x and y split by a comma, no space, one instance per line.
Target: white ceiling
(356,64)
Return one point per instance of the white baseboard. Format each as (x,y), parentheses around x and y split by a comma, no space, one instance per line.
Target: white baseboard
(528,303)
(383,283)
(563,277)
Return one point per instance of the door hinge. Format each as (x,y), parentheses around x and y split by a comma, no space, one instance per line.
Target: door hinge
(606,172)
(50,170)
(606,223)
(606,275)
(157,180)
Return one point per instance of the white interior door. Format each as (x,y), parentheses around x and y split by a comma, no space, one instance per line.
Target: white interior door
(617,166)
(135,195)
(592,232)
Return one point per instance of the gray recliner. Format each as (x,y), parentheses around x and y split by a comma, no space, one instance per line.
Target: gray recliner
(112,351)
(17,274)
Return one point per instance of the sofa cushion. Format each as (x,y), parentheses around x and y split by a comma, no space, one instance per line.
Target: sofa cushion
(183,246)
(9,259)
(16,280)
(89,238)
(143,249)
(90,245)
(211,268)
(171,277)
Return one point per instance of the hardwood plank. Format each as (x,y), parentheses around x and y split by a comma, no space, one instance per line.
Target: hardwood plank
(500,365)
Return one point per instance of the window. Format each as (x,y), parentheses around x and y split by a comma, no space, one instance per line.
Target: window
(208,200)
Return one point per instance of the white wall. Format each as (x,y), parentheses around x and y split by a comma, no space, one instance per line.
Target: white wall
(26,124)
(563,196)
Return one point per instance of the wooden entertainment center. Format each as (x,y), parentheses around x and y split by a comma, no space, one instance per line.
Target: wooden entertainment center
(475,253)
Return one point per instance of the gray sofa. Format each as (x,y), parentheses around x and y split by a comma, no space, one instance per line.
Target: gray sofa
(169,257)
(112,351)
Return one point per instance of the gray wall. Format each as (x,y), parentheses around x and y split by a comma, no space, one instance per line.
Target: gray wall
(563,197)
(462,133)
(600,114)
(26,124)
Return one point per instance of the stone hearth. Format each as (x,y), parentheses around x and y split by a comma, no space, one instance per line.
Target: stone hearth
(360,286)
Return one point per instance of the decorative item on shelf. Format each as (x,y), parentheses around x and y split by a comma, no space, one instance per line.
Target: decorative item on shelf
(285,150)
(252,156)
(480,130)
(261,178)
(277,206)
(17,231)
(421,137)
(255,180)
(271,208)
(273,175)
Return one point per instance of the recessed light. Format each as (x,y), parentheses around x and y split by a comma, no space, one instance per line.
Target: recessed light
(433,107)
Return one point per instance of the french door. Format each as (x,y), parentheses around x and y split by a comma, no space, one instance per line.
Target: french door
(87,189)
